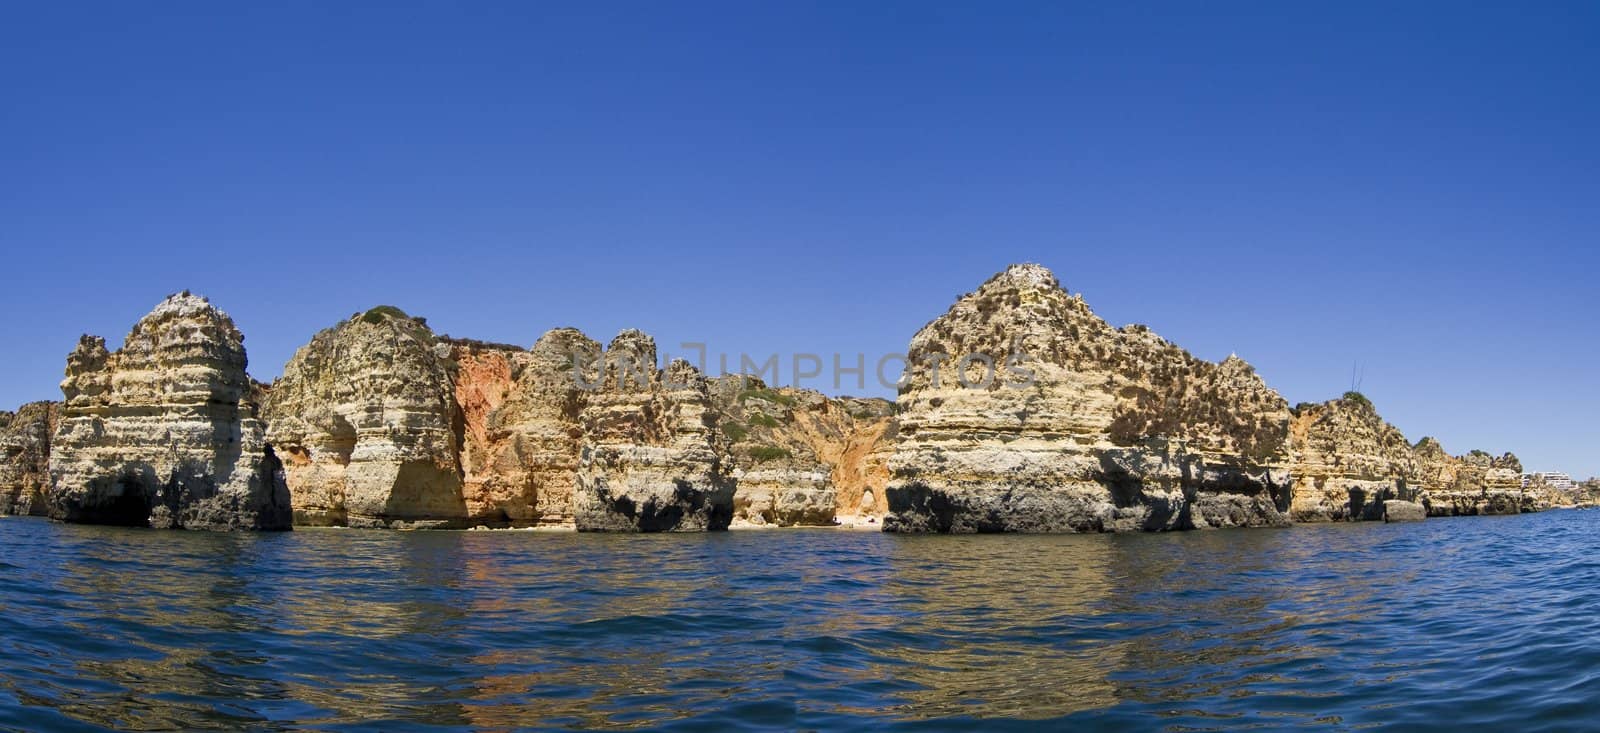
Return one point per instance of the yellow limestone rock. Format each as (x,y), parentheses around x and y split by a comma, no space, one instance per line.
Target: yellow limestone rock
(161,432)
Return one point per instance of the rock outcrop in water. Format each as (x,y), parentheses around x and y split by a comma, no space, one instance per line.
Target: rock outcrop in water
(1108,429)
(382,423)
(1022,411)
(366,421)
(25,457)
(1348,462)
(652,454)
(161,432)
(1473,484)
(524,430)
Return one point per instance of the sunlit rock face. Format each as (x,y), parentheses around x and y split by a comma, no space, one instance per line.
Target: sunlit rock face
(652,454)
(162,433)
(25,457)
(799,457)
(383,423)
(1473,484)
(524,428)
(366,421)
(1078,426)
(1348,462)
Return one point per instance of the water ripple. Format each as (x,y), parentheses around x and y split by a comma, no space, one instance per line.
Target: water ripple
(1478,622)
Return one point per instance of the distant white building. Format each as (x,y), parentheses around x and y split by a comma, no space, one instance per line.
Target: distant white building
(1553,479)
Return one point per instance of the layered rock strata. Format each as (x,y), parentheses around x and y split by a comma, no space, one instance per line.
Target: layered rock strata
(1065,424)
(524,430)
(161,432)
(798,457)
(1473,484)
(652,455)
(366,420)
(1348,461)
(25,457)
(382,423)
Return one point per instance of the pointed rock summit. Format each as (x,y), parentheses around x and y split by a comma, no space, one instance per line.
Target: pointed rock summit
(161,432)
(1023,411)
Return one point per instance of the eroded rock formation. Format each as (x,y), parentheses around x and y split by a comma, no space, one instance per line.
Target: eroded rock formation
(382,423)
(365,418)
(1066,424)
(798,457)
(161,432)
(1474,484)
(25,457)
(652,454)
(523,426)
(1022,411)
(1348,462)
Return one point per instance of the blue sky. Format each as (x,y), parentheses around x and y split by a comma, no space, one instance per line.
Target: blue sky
(1409,186)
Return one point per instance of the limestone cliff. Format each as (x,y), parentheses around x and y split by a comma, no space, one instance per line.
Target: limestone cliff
(523,427)
(1348,462)
(366,421)
(1473,484)
(25,457)
(161,433)
(799,457)
(862,470)
(1066,424)
(385,424)
(652,455)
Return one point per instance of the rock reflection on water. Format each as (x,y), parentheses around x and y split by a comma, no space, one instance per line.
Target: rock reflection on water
(381,630)
(980,626)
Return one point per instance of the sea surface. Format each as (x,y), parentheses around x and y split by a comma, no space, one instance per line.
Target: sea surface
(1489,622)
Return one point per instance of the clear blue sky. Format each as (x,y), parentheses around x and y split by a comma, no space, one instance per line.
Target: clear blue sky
(1413,186)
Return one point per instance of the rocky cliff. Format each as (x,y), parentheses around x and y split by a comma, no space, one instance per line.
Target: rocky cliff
(801,458)
(862,471)
(366,421)
(1348,461)
(652,454)
(25,457)
(524,430)
(1066,424)
(383,423)
(1473,484)
(161,432)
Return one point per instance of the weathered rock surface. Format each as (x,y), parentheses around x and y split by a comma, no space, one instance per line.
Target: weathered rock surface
(366,421)
(862,471)
(382,423)
(1348,462)
(798,457)
(1474,484)
(160,432)
(1395,510)
(652,454)
(25,457)
(524,434)
(1111,430)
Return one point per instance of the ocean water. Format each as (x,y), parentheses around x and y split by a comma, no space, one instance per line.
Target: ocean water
(1487,622)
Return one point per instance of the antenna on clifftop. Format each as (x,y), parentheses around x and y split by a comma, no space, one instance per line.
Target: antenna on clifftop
(1358,374)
